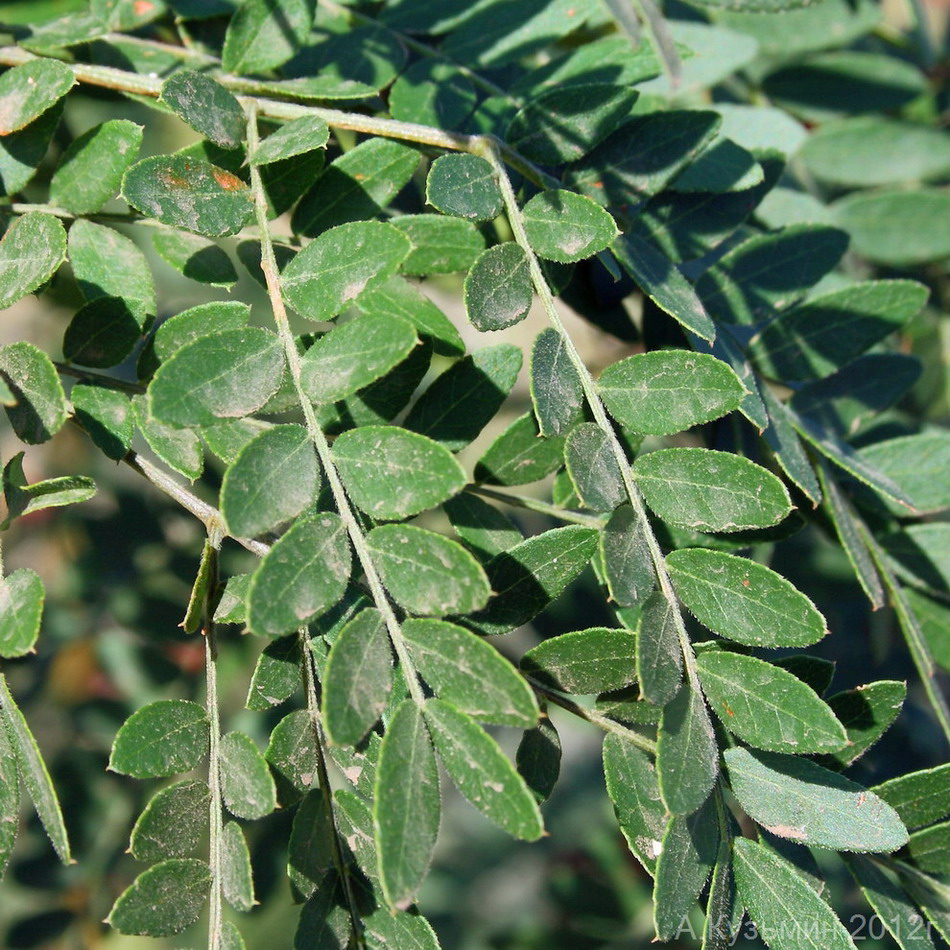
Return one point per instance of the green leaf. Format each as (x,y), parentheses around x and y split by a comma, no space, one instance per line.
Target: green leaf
(103,332)
(659,653)
(585,661)
(797,799)
(391,473)
(195,257)
(263,35)
(744,601)
(304,574)
(485,530)
(628,564)
(295,138)
(932,618)
(22,498)
(556,389)
(593,468)
(161,738)
(206,106)
(783,906)
(427,573)
(340,264)
(915,463)
(565,227)
(687,757)
(292,754)
(563,124)
(464,185)
(310,851)
(440,245)
(520,455)
(163,900)
(457,406)
(277,671)
(272,480)
(710,490)
(929,848)
(180,449)
(920,798)
(223,375)
(687,854)
(498,288)
(866,713)
(356,186)
(766,706)
(635,794)
(783,441)
(666,391)
(40,410)
(921,553)
(406,806)
(538,759)
(237,884)
(189,194)
(931,895)
(33,773)
(21,608)
(726,348)
(662,282)
(27,91)
(357,678)
(174,822)
(246,783)
(31,250)
(722,166)
(482,772)
(472,675)
(432,92)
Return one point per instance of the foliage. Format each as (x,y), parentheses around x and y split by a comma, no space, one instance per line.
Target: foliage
(749,200)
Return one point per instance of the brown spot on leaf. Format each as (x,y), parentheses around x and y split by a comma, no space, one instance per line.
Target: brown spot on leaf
(172,180)
(141,7)
(226,180)
(787,831)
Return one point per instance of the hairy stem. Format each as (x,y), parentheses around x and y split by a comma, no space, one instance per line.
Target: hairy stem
(536,504)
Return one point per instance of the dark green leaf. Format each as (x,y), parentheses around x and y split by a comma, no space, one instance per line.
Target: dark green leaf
(246,783)
(103,332)
(866,713)
(593,468)
(440,245)
(929,848)
(23,498)
(178,448)
(31,250)
(304,574)
(21,607)
(464,185)
(272,480)
(565,227)
(922,553)
(687,758)
(585,661)
(406,806)
(797,799)
(163,900)
(781,438)
(538,759)
(498,288)
(206,106)
(357,678)
(932,618)
(391,473)
(27,91)
(743,600)
(556,389)
(195,257)
(432,92)
(710,490)
(920,798)
(292,754)
(162,738)
(483,528)
(931,895)
(628,564)
(237,883)
(188,193)
(277,672)
(482,772)
(310,850)
(721,167)
(916,464)
(263,35)
(295,138)
(659,653)
(520,455)
(726,348)
(174,823)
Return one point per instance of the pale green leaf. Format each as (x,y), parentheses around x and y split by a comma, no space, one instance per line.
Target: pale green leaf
(161,738)
(108,264)
(498,288)
(23,498)
(27,91)
(21,607)
(916,464)
(163,900)
(920,798)
(295,138)
(565,227)
(440,245)
(262,35)
(180,449)
(237,883)
(32,248)
(687,758)
(173,824)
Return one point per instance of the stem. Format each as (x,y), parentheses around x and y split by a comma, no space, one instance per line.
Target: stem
(355,532)
(536,504)
(100,379)
(490,151)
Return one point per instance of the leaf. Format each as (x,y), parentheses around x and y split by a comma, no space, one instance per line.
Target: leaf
(662,282)
(469,673)
(593,469)
(292,754)
(161,738)
(585,661)
(766,706)
(277,671)
(931,620)
(189,194)
(635,794)
(33,772)
(915,463)
(556,389)
(744,601)
(565,227)
(237,883)
(246,783)
(785,909)
(206,106)
(31,250)
(336,267)
(687,757)
(174,822)
(21,608)
(659,653)
(9,799)
(463,185)
(262,35)
(929,848)
(498,288)
(866,713)
(23,499)
(460,402)
(666,391)
(687,855)
(304,574)
(920,798)
(931,895)
(710,490)
(180,449)
(356,186)
(406,805)
(538,759)
(722,166)
(272,480)
(310,851)
(21,153)
(295,138)
(520,455)
(195,257)
(427,573)
(530,575)
(628,563)
(223,375)
(91,169)
(163,900)
(484,529)
(781,438)
(103,332)
(440,245)
(357,678)
(27,91)
(797,799)
(391,473)
(481,771)
(921,552)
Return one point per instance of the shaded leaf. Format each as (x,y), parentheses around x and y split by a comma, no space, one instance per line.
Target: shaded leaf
(866,713)
(310,850)
(206,106)
(929,848)
(277,671)
(593,468)
(920,798)
(687,759)
(628,563)
(173,824)
(237,883)
(103,332)
(163,900)
(432,92)
(520,455)
(180,449)
(556,389)
(485,530)
(195,257)
(659,653)
(440,245)
(292,754)
(538,759)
